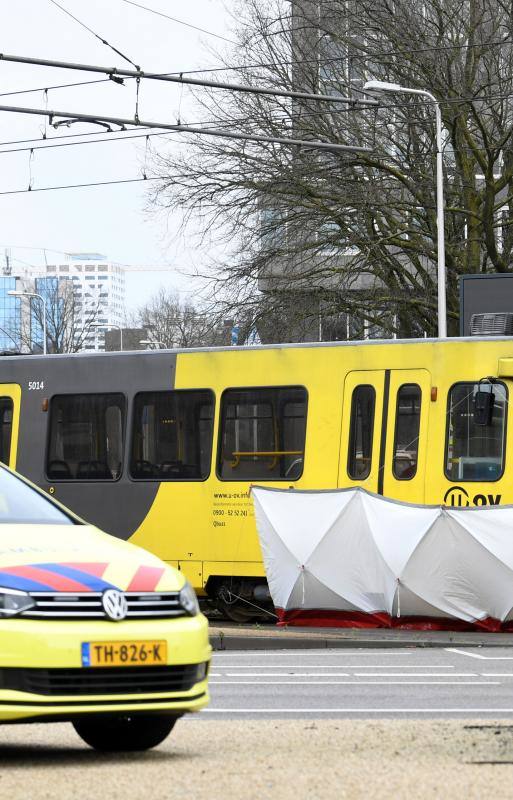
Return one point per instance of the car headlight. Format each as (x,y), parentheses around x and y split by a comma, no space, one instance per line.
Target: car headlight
(14,602)
(188,600)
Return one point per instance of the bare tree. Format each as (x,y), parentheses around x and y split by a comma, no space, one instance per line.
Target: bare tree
(68,322)
(174,323)
(356,235)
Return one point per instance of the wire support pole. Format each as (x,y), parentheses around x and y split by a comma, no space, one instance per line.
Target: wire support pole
(440,228)
(247,137)
(114,72)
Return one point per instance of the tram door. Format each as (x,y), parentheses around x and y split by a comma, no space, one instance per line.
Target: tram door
(384,432)
(10,400)
(362,414)
(409,401)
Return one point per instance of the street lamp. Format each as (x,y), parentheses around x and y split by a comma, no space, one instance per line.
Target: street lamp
(149,342)
(14,293)
(108,325)
(375,87)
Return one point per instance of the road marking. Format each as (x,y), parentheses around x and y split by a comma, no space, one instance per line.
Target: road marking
(337,666)
(315,652)
(417,674)
(287,674)
(355,683)
(350,711)
(496,674)
(478,655)
(347,674)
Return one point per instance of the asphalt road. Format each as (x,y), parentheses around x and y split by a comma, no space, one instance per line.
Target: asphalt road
(317,725)
(364,683)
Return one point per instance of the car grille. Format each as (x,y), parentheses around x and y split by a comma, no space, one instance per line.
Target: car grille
(88,605)
(99,681)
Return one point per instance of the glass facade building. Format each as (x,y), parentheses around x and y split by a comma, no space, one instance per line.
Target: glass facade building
(10,315)
(48,288)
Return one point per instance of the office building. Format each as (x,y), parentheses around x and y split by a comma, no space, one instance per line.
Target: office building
(98,293)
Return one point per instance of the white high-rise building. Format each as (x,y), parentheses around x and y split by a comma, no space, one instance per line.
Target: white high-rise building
(99,290)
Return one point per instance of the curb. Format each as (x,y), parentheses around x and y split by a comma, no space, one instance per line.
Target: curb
(247,638)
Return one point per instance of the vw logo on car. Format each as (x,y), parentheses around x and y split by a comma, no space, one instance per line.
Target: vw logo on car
(114,604)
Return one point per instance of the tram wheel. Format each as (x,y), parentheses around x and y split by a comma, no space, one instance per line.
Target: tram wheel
(237,612)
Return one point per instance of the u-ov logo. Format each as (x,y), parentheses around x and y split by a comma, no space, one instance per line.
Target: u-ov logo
(456,496)
(114,604)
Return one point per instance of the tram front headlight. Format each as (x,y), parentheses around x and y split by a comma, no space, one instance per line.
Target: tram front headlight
(13,602)
(189,601)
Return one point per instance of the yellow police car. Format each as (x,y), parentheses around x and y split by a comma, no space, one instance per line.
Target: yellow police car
(93,630)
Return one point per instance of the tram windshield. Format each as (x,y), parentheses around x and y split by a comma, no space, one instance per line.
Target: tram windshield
(475,452)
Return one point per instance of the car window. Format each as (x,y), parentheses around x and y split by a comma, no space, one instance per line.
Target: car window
(19,503)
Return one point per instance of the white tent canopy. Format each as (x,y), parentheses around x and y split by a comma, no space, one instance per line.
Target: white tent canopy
(348,551)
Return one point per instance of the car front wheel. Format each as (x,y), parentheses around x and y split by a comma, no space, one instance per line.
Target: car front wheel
(124,733)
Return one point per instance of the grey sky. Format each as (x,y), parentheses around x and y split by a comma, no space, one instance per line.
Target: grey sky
(109,219)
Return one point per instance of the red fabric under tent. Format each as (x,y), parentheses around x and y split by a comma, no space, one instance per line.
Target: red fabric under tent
(352,559)
(328,618)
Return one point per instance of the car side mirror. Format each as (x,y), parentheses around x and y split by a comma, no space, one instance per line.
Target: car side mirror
(483,408)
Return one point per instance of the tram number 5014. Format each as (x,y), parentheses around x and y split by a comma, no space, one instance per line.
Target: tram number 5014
(36,386)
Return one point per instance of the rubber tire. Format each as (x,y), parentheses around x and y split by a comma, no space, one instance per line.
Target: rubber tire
(126,733)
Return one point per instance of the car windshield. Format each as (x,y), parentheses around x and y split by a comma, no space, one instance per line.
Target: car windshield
(19,503)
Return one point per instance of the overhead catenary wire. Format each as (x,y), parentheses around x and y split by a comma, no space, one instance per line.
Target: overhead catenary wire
(141,179)
(180,79)
(49,142)
(177,77)
(51,146)
(321,61)
(84,185)
(53,88)
(259,65)
(137,265)
(248,137)
(94,134)
(97,35)
(445,100)
(179,21)
(56,141)
(52,143)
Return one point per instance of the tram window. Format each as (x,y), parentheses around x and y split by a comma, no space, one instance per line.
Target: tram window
(363,404)
(172,435)
(86,437)
(262,434)
(475,452)
(407,423)
(6,412)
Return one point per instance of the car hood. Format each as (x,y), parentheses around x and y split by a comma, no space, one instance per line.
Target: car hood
(78,558)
